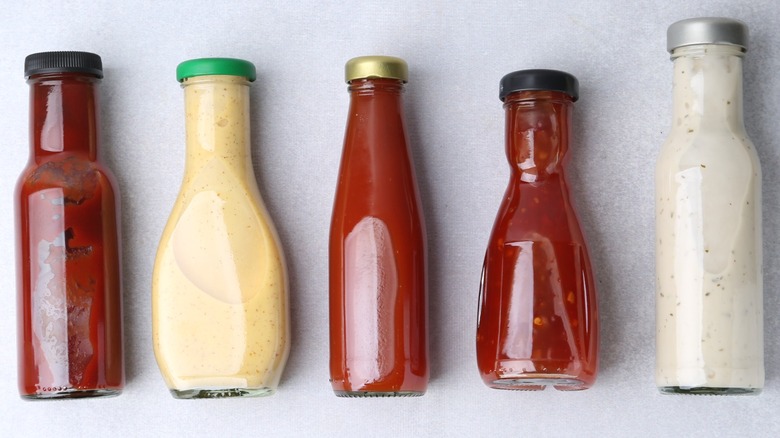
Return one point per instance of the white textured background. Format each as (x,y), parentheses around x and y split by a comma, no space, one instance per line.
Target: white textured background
(457,54)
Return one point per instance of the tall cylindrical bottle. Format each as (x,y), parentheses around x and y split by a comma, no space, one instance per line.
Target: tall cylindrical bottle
(68,245)
(220,322)
(378,301)
(709,317)
(538,317)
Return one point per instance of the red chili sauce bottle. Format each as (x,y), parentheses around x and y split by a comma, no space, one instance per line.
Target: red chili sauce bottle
(538,320)
(378,304)
(67,231)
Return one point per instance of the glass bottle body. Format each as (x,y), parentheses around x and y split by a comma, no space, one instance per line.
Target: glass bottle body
(68,248)
(378,277)
(538,319)
(220,320)
(709,289)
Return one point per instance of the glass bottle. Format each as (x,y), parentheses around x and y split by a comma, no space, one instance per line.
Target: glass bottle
(709,292)
(68,245)
(378,303)
(220,321)
(538,319)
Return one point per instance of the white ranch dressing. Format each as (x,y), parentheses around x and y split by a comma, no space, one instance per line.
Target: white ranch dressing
(709,317)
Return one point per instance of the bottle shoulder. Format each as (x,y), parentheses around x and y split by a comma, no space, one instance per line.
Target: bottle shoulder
(720,149)
(224,185)
(537,210)
(216,172)
(719,132)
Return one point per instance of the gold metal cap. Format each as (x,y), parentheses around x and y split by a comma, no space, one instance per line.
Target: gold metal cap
(376,67)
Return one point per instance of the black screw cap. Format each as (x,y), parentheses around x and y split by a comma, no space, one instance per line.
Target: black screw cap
(539,80)
(63,62)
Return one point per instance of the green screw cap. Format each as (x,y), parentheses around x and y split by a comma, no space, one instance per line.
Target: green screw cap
(216,66)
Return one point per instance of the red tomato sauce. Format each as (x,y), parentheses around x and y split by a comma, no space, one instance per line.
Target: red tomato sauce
(378,307)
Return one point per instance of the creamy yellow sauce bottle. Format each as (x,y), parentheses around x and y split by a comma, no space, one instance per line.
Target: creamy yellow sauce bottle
(220,313)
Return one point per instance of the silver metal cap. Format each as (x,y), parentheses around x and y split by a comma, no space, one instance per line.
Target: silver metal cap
(707,30)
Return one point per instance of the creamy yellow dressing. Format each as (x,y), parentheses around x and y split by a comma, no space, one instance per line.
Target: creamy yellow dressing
(219,294)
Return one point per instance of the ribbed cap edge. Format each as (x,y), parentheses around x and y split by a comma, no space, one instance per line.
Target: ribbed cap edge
(62,62)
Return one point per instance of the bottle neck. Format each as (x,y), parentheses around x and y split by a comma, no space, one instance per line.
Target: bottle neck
(217,120)
(537,133)
(366,93)
(64,114)
(707,87)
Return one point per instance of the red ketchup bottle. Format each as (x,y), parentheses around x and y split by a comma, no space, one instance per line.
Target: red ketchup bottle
(378,307)
(68,247)
(538,320)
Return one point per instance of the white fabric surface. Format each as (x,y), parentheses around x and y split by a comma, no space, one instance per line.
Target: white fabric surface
(457,52)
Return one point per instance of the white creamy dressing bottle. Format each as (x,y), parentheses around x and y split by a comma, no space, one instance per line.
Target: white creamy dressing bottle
(709,317)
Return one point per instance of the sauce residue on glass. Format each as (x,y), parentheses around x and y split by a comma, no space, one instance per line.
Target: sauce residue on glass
(68,249)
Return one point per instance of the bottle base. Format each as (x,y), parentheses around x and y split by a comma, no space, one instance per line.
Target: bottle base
(531,383)
(362,394)
(707,390)
(72,394)
(189,394)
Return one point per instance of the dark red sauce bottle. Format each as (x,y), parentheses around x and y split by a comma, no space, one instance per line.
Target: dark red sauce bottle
(68,246)
(538,319)
(378,277)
